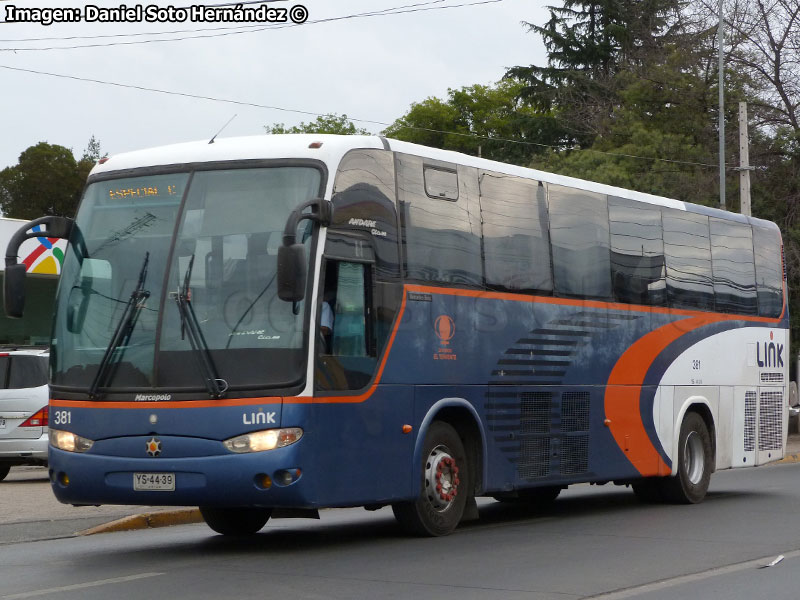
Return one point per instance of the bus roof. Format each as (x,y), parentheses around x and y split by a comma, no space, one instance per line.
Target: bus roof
(334,147)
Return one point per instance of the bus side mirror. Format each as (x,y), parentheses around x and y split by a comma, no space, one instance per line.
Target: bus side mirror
(14,291)
(292,272)
(292,255)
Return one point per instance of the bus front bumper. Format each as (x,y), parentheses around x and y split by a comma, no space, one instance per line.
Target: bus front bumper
(267,479)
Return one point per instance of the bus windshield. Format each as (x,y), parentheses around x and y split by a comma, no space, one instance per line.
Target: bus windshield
(171,273)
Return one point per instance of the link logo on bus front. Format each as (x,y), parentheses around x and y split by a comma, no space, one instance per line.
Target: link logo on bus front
(259,418)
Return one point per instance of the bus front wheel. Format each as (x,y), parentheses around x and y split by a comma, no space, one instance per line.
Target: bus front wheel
(237,520)
(690,484)
(445,485)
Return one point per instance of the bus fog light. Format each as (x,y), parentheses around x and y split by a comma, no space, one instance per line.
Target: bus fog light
(68,441)
(63,479)
(259,441)
(263,481)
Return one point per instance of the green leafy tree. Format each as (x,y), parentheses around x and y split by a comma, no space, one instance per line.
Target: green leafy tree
(485,120)
(46,181)
(333,123)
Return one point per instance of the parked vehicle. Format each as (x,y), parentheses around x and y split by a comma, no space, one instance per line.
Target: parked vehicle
(23,408)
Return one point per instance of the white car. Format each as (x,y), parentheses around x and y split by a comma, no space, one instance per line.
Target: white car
(23,408)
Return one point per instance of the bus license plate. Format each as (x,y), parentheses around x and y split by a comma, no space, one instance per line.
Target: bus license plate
(158,482)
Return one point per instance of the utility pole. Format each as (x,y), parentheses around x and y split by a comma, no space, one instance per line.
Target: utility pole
(721,108)
(744,160)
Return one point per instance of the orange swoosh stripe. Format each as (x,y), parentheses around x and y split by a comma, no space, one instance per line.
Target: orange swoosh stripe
(622,399)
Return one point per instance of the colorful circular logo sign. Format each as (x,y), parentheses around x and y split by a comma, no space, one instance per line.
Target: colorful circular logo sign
(46,257)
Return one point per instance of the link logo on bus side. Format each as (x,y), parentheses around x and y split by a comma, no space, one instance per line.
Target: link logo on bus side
(769,354)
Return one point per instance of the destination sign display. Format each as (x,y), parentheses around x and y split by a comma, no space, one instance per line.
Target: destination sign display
(143,192)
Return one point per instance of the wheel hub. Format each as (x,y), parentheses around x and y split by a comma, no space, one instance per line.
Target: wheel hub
(441,478)
(695,457)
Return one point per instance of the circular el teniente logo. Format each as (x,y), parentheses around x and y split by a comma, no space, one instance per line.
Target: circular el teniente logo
(445,328)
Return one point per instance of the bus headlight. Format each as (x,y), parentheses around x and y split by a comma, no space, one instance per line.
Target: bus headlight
(258,441)
(68,441)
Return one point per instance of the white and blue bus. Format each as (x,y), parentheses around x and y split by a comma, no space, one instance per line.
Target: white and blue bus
(273,325)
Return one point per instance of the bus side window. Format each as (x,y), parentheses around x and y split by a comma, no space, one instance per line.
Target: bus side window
(580,240)
(348,354)
(687,253)
(349,335)
(638,272)
(769,271)
(441,231)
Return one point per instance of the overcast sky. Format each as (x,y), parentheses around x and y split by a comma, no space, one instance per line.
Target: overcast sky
(369,68)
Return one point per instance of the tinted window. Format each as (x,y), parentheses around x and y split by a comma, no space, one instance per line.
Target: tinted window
(769,271)
(637,252)
(27,372)
(442,237)
(688,259)
(4,360)
(516,243)
(364,200)
(579,234)
(733,267)
(347,355)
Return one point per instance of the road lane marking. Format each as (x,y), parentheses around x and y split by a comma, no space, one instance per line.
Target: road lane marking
(79,586)
(668,583)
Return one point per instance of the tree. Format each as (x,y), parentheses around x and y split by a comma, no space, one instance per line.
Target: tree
(91,154)
(333,123)
(46,181)
(589,42)
(479,119)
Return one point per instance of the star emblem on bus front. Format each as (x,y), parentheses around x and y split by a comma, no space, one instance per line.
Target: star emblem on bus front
(153,447)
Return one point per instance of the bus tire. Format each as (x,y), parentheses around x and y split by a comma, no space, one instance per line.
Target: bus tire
(690,484)
(445,485)
(235,521)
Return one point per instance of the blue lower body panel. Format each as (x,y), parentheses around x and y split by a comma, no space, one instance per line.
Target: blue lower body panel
(224,480)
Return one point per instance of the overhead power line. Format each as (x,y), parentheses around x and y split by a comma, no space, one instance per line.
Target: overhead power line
(359,120)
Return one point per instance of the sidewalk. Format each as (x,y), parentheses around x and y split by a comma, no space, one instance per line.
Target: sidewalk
(792,448)
(29,511)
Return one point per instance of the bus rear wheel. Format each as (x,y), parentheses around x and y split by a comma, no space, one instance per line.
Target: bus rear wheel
(445,485)
(690,484)
(235,521)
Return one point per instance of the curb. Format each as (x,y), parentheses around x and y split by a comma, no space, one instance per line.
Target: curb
(790,458)
(151,520)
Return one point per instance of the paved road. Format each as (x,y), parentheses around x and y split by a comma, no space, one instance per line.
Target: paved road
(595,541)
(29,510)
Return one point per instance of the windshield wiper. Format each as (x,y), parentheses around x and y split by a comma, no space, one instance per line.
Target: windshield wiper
(191,326)
(125,327)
